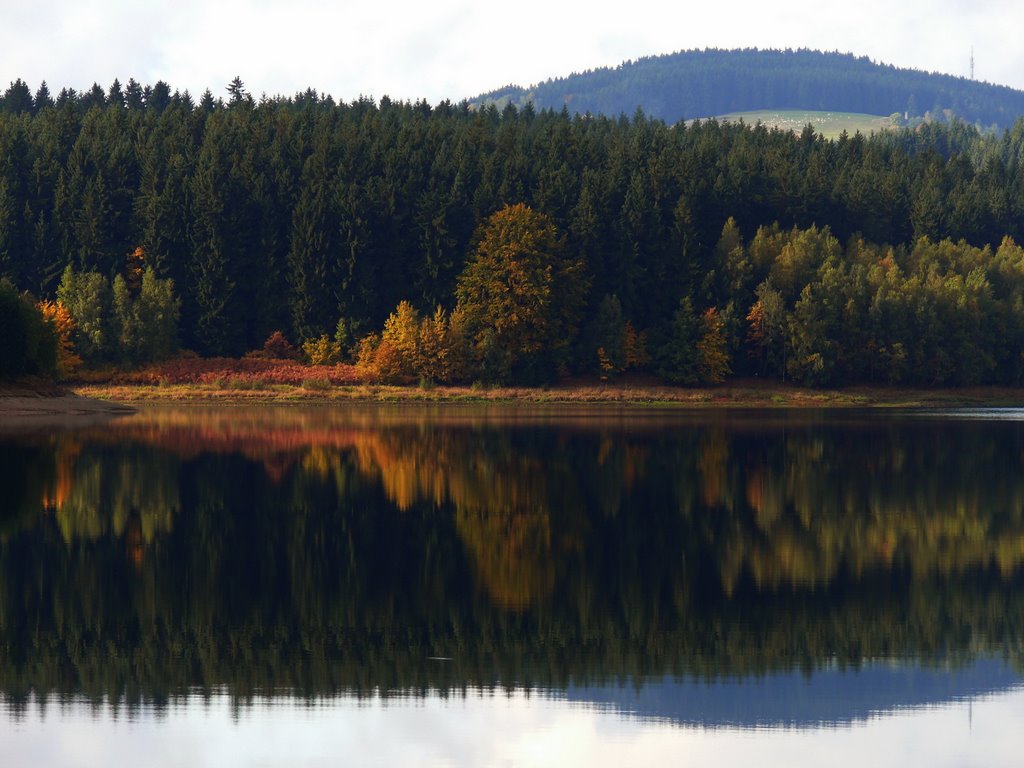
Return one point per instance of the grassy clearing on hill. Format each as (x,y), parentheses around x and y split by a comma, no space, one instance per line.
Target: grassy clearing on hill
(829,124)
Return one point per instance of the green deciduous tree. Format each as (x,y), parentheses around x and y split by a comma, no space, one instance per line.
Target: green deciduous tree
(146,322)
(114,323)
(89,299)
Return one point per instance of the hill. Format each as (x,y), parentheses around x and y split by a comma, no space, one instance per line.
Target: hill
(696,84)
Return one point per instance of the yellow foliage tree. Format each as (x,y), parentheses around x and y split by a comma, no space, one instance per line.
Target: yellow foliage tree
(458,347)
(365,354)
(432,363)
(402,336)
(322,351)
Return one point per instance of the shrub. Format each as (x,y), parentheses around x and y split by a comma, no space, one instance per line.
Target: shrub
(276,347)
(316,384)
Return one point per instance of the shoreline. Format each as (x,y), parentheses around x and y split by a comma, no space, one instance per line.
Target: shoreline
(740,396)
(36,411)
(79,404)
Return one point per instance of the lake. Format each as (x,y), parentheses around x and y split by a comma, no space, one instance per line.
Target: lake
(513,585)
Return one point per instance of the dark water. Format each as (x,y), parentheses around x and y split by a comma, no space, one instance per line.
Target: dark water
(471,586)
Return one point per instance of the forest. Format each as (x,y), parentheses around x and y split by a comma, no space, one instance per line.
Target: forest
(705,83)
(447,243)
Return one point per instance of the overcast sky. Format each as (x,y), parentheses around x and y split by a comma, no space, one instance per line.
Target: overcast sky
(454,49)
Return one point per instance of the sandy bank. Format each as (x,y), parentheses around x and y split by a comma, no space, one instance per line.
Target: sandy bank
(19,411)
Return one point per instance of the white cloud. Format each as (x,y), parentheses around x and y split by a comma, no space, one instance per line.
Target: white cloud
(455,48)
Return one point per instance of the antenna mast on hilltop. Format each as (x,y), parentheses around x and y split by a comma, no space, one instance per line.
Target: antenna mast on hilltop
(972,62)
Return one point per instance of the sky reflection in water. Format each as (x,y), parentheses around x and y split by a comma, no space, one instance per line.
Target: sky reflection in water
(485,729)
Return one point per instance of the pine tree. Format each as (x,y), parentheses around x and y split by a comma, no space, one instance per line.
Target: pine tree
(313,256)
(43,99)
(17,99)
(237,93)
(678,358)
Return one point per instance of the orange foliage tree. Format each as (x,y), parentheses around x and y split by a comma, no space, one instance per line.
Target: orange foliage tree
(713,349)
(59,318)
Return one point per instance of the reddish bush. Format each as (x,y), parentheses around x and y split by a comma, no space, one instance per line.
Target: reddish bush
(276,347)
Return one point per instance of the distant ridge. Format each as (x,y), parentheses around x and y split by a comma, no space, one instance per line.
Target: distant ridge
(696,84)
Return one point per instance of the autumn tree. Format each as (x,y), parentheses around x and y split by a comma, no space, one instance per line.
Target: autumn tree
(63,325)
(276,347)
(322,350)
(637,356)
(402,334)
(521,295)
(767,332)
(437,353)
(713,349)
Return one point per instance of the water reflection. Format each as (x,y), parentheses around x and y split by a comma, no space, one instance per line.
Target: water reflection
(325,552)
(479,729)
(830,697)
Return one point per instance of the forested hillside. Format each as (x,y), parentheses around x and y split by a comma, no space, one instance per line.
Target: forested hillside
(696,84)
(687,251)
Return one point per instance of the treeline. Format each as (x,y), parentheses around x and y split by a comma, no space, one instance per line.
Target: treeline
(697,84)
(318,219)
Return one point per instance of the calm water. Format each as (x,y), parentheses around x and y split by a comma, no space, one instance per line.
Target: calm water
(513,586)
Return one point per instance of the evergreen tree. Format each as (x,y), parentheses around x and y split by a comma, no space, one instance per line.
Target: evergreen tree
(17,99)
(237,93)
(43,99)
(678,358)
(28,344)
(133,96)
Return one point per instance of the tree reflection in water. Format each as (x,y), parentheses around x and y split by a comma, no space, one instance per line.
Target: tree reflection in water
(320,550)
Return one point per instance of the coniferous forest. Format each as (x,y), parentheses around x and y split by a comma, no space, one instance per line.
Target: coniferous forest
(696,84)
(514,245)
